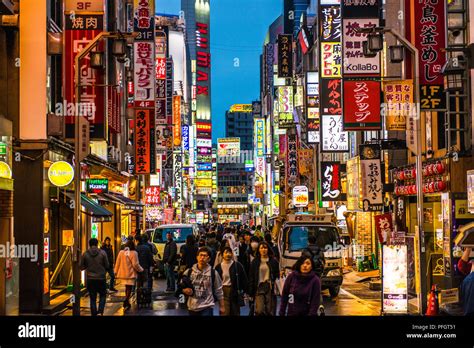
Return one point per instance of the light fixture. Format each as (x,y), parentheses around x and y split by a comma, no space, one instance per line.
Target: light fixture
(97,60)
(367,52)
(375,41)
(119,47)
(397,53)
(453,72)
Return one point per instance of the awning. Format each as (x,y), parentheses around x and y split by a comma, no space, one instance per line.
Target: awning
(98,213)
(128,203)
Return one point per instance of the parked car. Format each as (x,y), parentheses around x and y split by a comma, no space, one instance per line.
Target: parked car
(179,233)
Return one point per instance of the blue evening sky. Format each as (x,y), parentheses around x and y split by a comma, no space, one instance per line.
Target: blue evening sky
(238,29)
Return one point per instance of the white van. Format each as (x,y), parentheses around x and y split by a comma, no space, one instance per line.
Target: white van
(179,233)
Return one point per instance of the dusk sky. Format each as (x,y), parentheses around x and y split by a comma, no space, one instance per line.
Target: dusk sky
(238,29)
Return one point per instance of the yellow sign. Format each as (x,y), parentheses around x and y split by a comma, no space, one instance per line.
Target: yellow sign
(68,237)
(61,173)
(241,108)
(203,183)
(5,170)
(398,104)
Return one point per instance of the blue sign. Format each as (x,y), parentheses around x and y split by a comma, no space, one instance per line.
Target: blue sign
(204,166)
(185,137)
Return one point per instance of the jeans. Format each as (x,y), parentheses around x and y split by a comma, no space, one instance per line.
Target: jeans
(95,286)
(265,300)
(170,278)
(208,312)
(231,306)
(110,271)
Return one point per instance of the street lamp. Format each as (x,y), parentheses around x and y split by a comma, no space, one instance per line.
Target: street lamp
(453,72)
(374,36)
(397,53)
(97,60)
(367,52)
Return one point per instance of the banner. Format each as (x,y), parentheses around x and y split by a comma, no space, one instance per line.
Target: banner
(361,9)
(395,279)
(398,99)
(144,66)
(142,141)
(371,188)
(285,55)
(362,105)
(331,24)
(292,160)
(331,189)
(305,161)
(334,138)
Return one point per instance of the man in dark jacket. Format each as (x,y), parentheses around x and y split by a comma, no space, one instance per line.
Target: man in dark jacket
(170,256)
(107,247)
(145,259)
(94,261)
(317,254)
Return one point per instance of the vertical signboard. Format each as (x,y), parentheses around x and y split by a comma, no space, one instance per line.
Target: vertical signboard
(285,55)
(313,104)
(292,160)
(371,188)
(177,120)
(142,141)
(285,107)
(398,100)
(395,279)
(81,27)
(333,136)
(331,189)
(260,146)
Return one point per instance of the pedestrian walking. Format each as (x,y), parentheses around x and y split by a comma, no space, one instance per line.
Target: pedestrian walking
(170,255)
(264,272)
(107,247)
(317,254)
(94,261)
(273,246)
(301,293)
(145,258)
(203,286)
(154,251)
(127,269)
(234,282)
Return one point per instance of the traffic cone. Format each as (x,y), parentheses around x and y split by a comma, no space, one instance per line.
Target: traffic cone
(433,304)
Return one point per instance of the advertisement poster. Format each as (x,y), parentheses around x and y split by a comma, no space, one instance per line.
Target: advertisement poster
(285,55)
(395,279)
(142,141)
(300,196)
(398,99)
(331,59)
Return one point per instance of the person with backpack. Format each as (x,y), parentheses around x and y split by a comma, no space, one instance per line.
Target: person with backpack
(203,286)
(234,282)
(145,258)
(264,272)
(94,261)
(303,286)
(317,254)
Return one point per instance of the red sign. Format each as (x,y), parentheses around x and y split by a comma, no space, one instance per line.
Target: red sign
(113,109)
(152,195)
(362,105)
(161,69)
(142,141)
(383,226)
(430,39)
(80,30)
(204,127)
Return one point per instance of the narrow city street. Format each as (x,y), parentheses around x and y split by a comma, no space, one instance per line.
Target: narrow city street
(355,299)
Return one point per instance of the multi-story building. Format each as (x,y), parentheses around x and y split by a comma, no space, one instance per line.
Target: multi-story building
(239,124)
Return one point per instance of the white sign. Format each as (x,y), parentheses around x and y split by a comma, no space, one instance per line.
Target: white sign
(395,279)
(314,137)
(354,60)
(372,190)
(203,142)
(144,82)
(300,196)
(228,147)
(334,137)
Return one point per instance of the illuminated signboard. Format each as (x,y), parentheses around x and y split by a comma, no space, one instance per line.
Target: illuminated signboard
(60,173)
(97,185)
(241,108)
(228,147)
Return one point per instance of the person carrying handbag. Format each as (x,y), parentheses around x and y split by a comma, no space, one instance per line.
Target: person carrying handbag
(234,282)
(127,269)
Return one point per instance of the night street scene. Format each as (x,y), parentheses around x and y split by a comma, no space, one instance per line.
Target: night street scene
(243,158)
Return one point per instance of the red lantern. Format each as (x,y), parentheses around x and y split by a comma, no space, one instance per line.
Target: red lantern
(439,167)
(441,185)
(413,173)
(401,175)
(425,171)
(431,187)
(429,169)
(413,189)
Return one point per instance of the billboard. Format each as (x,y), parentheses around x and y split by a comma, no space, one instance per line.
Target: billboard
(228,147)
(142,141)
(331,188)
(177,120)
(362,105)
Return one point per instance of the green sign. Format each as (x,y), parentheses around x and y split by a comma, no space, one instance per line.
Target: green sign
(95,230)
(3,149)
(97,185)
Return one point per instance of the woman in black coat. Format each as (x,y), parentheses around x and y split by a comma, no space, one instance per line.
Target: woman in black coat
(234,282)
(264,272)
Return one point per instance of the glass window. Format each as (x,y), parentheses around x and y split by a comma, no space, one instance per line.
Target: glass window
(298,236)
(179,234)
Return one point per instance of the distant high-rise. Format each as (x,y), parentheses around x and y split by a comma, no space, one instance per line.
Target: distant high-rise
(239,124)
